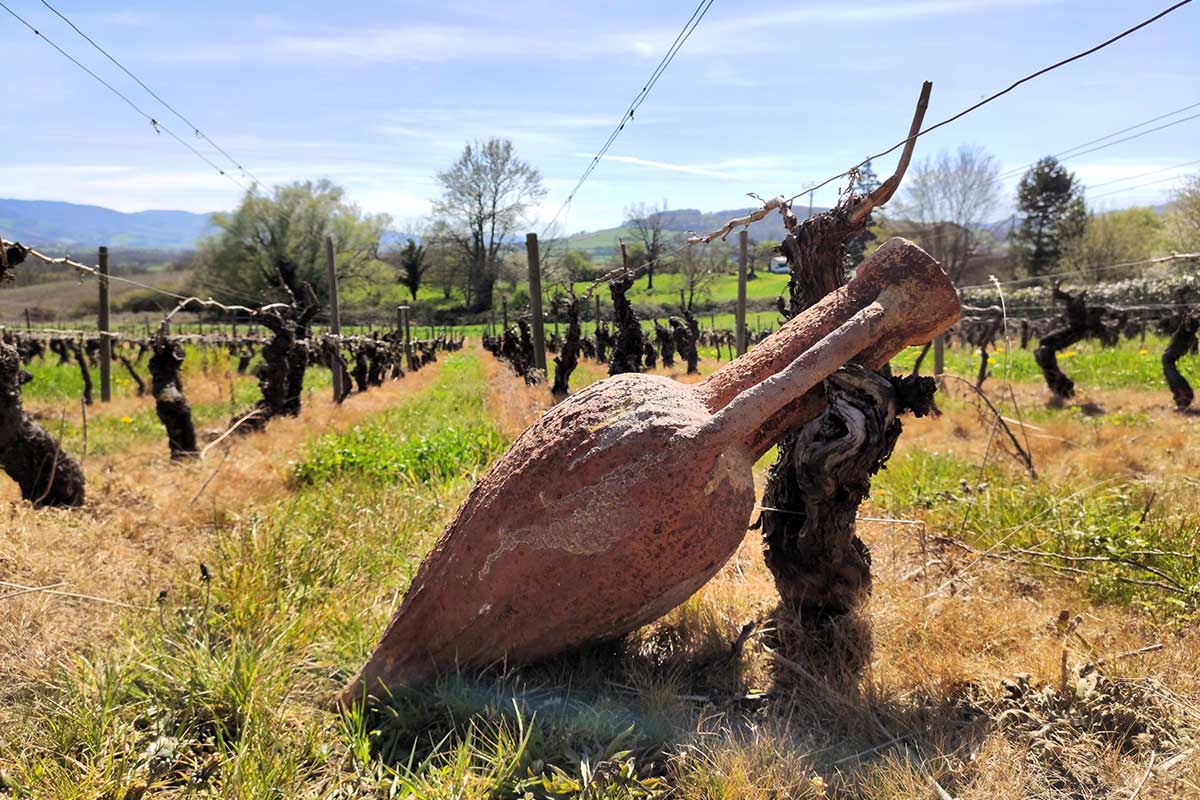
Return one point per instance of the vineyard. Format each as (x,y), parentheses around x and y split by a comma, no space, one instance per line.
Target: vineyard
(893,497)
(197,565)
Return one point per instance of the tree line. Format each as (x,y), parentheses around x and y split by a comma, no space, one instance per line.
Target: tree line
(470,245)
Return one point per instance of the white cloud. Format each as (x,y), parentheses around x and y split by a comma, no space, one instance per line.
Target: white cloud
(123,188)
(690,170)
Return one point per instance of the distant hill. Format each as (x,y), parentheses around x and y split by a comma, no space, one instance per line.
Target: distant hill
(678,222)
(44,223)
(62,226)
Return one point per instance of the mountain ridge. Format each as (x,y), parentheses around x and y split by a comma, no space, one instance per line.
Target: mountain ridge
(59,224)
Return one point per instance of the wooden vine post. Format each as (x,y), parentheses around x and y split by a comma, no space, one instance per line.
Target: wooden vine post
(102,324)
(740,316)
(335,319)
(535,302)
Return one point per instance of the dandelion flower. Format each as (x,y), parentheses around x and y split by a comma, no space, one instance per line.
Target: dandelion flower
(126,420)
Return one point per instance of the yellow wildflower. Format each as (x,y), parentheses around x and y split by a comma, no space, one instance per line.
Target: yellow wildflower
(126,420)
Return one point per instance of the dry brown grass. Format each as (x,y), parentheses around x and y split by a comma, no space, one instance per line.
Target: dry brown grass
(1124,433)
(64,297)
(929,669)
(921,670)
(144,517)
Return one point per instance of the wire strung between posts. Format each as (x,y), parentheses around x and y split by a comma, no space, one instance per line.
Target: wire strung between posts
(1070,151)
(637,271)
(1141,175)
(681,38)
(1069,273)
(95,272)
(199,133)
(158,126)
(1141,185)
(990,98)
(1001,178)
(1020,310)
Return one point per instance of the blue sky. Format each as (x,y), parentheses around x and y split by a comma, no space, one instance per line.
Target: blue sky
(765,97)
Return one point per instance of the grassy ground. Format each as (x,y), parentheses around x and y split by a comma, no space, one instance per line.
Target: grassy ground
(309,534)
(215,391)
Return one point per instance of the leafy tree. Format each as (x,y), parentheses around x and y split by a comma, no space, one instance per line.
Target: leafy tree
(1131,234)
(271,245)
(946,200)
(486,194)
(1183,220)
(1050,203)
(573,266)
(411,265)
(758,256)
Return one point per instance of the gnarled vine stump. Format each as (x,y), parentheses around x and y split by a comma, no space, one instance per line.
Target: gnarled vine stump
(685,343)
(1183,341)
(567,358)
(627,346)
(1080,321)
(169,401)
(45,474)
(666,344)
(818,562)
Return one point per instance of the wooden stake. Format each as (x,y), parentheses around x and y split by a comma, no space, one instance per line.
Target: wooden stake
(402,314)
(740,315)
(103,326)
(335,313)
(535,301)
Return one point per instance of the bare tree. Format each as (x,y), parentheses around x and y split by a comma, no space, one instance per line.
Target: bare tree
(698,267)
(946,200)
(486,194)
(647,222)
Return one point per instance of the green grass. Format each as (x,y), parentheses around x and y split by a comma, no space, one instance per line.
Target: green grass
(722,289)
(442,434)
(760,292)
(56,390)
(1131,363)
(1120,539)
